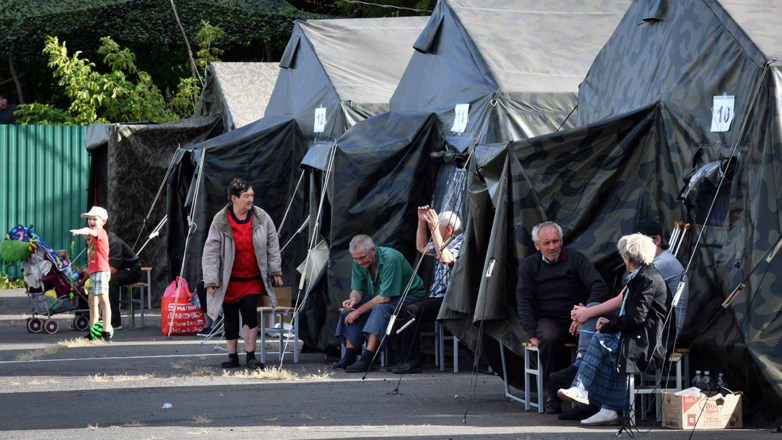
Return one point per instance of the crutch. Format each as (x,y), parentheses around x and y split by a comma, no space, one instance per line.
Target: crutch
(685,228)
(675,234)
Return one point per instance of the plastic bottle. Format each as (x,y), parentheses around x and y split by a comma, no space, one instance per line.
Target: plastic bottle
(722,385)
(697,380)
(708,382)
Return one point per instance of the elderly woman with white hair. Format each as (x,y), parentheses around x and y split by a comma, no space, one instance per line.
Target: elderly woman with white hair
(637,341)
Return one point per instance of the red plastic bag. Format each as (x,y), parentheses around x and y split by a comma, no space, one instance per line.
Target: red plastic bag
(188,319)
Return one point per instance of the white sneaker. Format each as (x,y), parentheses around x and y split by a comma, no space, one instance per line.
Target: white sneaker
(604,417)
(573,394)
(119,327)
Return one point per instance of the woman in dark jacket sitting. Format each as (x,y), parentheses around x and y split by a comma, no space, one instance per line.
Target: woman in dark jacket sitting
(634,342)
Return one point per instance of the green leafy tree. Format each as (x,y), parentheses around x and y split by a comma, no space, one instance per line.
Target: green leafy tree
(206,52)
(123,94)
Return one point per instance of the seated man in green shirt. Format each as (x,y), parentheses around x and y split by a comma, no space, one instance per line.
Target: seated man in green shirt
(380,275)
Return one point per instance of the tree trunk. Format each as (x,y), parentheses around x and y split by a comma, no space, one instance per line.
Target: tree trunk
(267,43)
(16,78)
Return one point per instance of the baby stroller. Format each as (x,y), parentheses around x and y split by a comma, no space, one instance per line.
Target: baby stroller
(53,288)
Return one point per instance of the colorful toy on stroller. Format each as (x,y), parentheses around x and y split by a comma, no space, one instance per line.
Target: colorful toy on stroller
(53,287)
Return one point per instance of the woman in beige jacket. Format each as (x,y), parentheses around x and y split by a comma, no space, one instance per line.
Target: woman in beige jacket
(241,255)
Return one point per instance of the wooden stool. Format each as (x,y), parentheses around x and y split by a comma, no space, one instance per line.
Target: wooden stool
(141,286)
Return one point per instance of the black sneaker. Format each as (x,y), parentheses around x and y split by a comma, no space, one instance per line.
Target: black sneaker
(553,404)
(359,367)
(409,367)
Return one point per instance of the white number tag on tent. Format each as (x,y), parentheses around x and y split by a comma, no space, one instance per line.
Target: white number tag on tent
(722,113)
(320,120)
(460,118)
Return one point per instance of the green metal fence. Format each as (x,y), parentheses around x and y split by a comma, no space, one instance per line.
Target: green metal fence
(44,173)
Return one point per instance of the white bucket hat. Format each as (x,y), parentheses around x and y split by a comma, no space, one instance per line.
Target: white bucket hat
(96,211)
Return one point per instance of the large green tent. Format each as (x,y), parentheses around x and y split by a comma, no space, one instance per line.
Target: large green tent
(655,140)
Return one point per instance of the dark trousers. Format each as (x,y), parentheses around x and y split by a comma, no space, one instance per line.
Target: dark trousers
(248,307)
(119,279)
(553,335)
(425,310)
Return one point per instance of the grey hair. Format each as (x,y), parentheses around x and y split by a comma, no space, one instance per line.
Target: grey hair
(536,230)
(362,242)
(637,248)
(449,218)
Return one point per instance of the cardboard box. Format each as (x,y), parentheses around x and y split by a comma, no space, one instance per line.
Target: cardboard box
(284,299)
(682,412)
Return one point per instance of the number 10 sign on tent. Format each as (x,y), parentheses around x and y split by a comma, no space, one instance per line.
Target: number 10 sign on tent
(721,113)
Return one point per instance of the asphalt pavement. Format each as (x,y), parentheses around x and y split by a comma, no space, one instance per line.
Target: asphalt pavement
(52,386)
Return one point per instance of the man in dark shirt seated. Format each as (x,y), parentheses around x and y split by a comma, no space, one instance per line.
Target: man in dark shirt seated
(7,110)
(125,269)
(550,282)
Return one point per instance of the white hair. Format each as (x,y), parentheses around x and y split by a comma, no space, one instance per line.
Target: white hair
(536,230)
(637,248)
(449,218)
(362,242)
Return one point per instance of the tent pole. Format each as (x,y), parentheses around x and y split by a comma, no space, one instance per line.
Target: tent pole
(187,239)
(160,189)
(315,232)
(293,197)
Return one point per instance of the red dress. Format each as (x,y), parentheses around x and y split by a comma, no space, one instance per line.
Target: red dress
(245,274)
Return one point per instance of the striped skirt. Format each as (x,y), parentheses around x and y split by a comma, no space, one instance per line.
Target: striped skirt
(598,376)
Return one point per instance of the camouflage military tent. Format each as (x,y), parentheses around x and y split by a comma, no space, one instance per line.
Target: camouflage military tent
(682,95)
(349,67)
(128,163)
(239,92)
(266,153)
(381,172)
(513,51)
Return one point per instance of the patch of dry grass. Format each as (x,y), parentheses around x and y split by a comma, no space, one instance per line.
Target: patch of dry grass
(201,419)
(132,423)
(199,432)
(320,377)
(92,427)
(202,372)
(80,342)
(268,373)
(126,378)
(306,416)
(274,373)
(97,378)
(37,354)
(180,365)
(41,382)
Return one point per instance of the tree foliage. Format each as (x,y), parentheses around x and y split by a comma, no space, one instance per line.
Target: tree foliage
(123,94)
(206,53)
